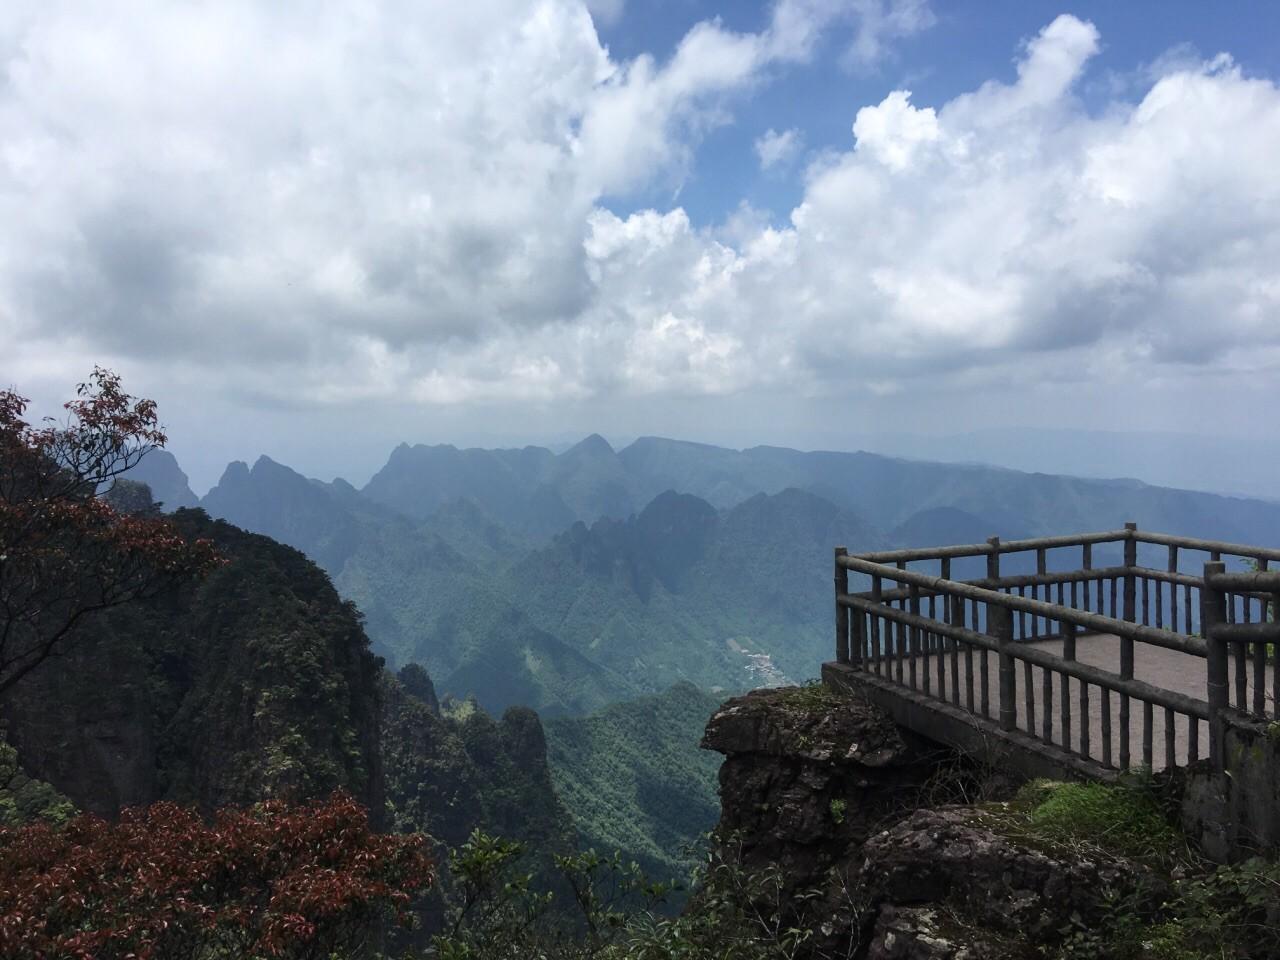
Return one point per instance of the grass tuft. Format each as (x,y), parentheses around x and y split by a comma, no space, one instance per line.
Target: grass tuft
(1123,820)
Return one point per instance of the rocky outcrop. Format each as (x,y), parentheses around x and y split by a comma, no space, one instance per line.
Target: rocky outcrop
(449,774)
(826,792)
(960,857)
(169,486)
(925,933)
(809,776)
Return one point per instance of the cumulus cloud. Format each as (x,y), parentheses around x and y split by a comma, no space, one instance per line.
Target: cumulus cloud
(774,149)
(359,203)
(1009,233)
(274,187)
(895,131)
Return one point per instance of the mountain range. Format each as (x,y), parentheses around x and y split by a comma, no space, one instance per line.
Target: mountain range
(570,581)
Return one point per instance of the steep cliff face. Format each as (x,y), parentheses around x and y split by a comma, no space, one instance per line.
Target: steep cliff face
(448,775)
(258,682)
(852,819)
(808,777)
(255,682)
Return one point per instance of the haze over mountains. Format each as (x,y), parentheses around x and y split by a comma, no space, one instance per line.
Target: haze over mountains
(570,581)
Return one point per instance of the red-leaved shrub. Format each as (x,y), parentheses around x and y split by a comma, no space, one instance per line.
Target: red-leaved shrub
(275,881)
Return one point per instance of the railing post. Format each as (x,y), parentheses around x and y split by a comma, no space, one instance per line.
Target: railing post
(1271,613)
(1130,579)
(1126,643)
(1000,628)
(1213,611)
(843,613)
(993,563)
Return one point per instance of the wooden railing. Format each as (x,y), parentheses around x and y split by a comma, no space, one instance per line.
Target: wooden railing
(947,638)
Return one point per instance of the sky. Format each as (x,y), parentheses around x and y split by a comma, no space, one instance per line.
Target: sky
(315,230)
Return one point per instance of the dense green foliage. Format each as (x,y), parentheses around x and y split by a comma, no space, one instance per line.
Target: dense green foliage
(605,908)
(635,780)
(255,682)
(24,799)
(448,775)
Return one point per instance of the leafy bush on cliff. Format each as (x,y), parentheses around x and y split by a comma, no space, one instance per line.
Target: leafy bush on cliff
(65,553)
(274,881)
(605,908)
(24,799)
(1125,819)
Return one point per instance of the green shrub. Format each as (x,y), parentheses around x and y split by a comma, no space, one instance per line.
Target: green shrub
(1123,819)
(497,912)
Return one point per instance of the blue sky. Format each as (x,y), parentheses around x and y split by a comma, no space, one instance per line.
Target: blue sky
(970,43)
(797,222)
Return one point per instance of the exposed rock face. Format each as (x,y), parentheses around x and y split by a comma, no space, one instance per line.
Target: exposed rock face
(829,790)
(921,933)
(957,856)
(448,776)
(808,776)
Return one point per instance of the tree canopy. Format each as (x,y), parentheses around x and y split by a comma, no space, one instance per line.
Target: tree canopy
(65,552)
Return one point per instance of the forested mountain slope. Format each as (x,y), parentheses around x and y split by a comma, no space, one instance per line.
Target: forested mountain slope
(449,774)
(569,581)
(681,592)
(258,682)
(635,780)
(255,682)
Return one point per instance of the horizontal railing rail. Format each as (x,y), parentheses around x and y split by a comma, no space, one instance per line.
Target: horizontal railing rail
(946,636)
(1049,611)
(987,549)
(1208,546)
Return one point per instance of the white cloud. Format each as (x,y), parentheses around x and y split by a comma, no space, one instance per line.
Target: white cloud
(776,149)
(894,132)
(265,187)
(359,203)
(882,21)
(1011,234)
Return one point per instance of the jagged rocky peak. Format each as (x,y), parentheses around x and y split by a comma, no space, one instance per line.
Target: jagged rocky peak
(169,485)
(235,474)
(521,728)
(417,683)
(266,468)
(266,475)
(670,505)
(343,487)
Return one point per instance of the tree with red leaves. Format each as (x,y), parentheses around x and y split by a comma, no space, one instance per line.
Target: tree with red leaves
(273,881)
(64,552)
